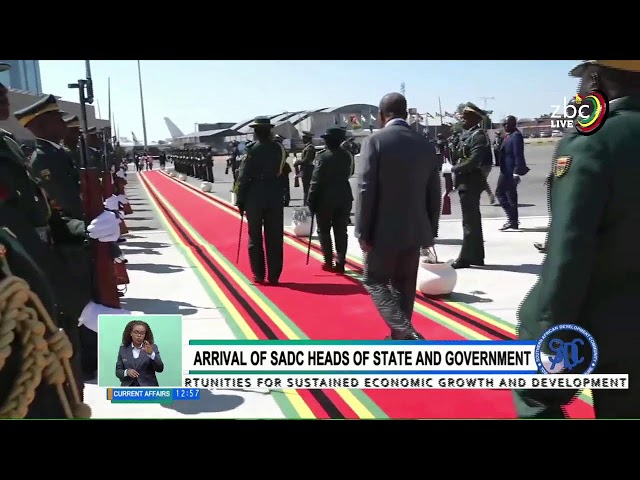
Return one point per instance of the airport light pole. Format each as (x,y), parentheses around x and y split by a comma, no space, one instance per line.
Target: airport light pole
(485,100)
(144,122)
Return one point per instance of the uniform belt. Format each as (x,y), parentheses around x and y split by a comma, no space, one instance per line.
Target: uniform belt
(44,233)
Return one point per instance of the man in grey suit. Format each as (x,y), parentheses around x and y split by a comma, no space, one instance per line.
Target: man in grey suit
(397,212)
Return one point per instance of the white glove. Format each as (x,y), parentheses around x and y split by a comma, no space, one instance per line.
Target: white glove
(123,199)
(112,203)
(91,312)
(105,227)
(121,174)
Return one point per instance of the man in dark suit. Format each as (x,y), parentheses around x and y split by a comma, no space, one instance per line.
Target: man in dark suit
(138,357)
(512,165)
(397,212)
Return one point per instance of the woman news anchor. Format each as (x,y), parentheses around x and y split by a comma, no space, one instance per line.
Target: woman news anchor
(138,357)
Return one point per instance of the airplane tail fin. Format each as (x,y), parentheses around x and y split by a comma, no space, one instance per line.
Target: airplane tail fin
(173,129)
(135,140)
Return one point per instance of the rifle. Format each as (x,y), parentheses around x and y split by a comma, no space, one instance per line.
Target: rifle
(107,180)
(102,273)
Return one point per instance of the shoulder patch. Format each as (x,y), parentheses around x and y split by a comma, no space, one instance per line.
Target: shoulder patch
(562,166)
(46,174)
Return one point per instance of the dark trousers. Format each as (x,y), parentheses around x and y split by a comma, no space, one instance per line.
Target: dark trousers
(209,170)
(607,404)
(286,185)
(390,279)
(234,171)
(89,352)
(507,194)
(472,239)
(272,219)
(306,184)
(338,220)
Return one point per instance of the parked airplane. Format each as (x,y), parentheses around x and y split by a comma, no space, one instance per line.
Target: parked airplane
(173,129)
(138,146)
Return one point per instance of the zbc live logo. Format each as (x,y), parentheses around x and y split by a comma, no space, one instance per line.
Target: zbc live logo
(566,349)
(586,113)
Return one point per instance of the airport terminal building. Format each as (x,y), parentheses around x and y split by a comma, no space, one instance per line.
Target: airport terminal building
(19,99)
(353,117)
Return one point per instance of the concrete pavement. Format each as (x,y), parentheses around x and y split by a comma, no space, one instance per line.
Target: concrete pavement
(532,192)
(164,281)
(511,266)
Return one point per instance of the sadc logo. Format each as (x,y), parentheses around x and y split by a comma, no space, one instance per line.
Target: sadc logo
(566,349)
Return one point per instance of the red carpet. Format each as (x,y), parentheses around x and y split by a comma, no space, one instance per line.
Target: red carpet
(327,306)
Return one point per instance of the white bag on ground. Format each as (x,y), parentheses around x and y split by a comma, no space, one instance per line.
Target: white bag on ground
(434,277)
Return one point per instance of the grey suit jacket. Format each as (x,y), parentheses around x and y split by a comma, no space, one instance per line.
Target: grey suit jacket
(398,200)
(146,367)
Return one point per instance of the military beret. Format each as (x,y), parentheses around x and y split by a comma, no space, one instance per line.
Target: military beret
(4,67)
(335,132)
(626,65)
(92,131)
(473,108)
(72,121)
(307,134)
(48,103)
(262,122)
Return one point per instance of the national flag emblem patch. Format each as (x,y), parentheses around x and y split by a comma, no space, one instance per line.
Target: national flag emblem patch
(562,166)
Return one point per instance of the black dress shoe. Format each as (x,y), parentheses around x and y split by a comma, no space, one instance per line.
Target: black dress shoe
(412,335)
(274,282)
(339,268)
(258,281)
(460,263)
(509,226)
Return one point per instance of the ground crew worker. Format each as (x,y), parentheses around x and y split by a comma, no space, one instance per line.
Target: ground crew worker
(330,197)
(306,164)
(71,139)
(23,394)
(594,216)
(472,149)
(259,195)
(54,169)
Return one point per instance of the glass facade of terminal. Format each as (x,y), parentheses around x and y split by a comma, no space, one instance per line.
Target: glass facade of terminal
(24,75)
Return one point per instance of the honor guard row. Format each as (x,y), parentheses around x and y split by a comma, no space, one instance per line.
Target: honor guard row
(55,232)
(194,163)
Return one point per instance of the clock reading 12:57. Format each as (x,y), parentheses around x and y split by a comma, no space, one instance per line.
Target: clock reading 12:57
(186,394)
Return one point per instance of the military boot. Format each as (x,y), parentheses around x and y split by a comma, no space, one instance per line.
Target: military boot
(327,252)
